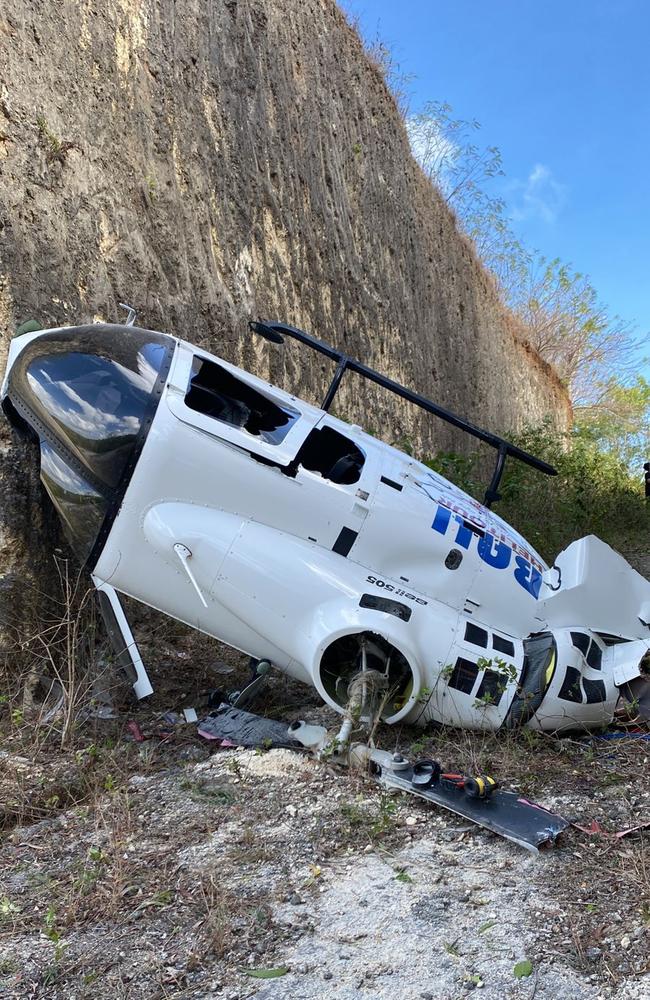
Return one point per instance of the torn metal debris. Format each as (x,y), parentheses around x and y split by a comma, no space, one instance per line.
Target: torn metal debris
(236,727)
(297,538)
(477,798)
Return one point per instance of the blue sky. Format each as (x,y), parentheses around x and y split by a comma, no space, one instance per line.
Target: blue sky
(563,90)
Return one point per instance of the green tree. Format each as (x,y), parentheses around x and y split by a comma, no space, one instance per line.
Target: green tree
(620,423)
(593,351)
(572,330)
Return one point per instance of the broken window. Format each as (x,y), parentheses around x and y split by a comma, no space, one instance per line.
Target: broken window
(335,456)
(589,649)
(503,645)
(491,688)
(594,691)
(477,636)
(216,392)
(581,641)
(536,675)
(463,675)
(571,690)
(595,656)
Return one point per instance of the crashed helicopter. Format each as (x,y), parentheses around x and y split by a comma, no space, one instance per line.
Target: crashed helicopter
(259,519)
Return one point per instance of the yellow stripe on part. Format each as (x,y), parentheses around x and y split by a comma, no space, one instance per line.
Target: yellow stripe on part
(481,786)
(550,670)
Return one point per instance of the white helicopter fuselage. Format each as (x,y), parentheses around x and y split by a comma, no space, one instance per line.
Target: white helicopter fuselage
(291,534)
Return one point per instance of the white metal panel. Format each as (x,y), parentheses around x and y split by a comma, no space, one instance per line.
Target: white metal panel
(282,453)
(599,590)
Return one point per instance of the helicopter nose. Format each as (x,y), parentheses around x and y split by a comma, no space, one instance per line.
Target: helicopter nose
(16,346)
(88,395)
(87,390)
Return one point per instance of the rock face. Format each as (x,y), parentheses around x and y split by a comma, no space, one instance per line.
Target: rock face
(209,162)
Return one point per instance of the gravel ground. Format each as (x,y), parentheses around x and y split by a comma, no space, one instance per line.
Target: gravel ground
(171,869)
(190,878)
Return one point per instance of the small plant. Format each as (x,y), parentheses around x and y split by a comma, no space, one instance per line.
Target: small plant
(315,873)
(86,755)
(204,791)
(331,749)
(152,187)
(385,817)
(352,813)
(523,969)
(234,767)
(91,872)
(7,908)
(55,148)
(164,897)
(425,694)
(266,973)
(417,746)
(53,934)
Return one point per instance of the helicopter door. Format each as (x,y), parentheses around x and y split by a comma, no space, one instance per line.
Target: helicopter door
(233,405)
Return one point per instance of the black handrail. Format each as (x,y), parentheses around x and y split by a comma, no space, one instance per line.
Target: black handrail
(275,332)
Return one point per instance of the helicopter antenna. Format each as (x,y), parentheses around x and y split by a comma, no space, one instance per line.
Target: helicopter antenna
(131,313)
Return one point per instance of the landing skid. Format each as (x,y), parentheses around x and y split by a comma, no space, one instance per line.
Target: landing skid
(124,645)
(505,813)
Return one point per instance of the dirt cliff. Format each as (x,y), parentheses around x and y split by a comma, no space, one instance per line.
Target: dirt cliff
(209,162)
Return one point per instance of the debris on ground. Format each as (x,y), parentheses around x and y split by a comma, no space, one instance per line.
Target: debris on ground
(176,868)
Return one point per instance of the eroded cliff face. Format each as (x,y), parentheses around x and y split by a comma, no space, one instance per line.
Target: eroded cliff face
(213,161)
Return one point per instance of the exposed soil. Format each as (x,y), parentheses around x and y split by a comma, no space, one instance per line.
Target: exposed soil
(169,868)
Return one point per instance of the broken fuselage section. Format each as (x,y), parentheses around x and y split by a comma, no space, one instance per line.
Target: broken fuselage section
(261,520)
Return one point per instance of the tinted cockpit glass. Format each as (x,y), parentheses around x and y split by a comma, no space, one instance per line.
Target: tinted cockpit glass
(80,507)
(91,390)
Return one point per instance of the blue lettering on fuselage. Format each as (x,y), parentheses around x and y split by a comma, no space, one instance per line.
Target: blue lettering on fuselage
(494,552)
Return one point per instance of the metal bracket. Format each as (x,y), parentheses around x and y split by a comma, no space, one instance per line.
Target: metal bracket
(131,313)
(121,636)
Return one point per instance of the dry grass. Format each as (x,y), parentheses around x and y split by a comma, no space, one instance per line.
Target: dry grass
(109,865)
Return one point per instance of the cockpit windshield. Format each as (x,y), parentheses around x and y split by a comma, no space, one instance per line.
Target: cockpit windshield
(91,391)
(89,394)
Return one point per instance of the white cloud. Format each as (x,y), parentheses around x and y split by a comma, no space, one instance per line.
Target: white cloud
(435,153)
(540,196)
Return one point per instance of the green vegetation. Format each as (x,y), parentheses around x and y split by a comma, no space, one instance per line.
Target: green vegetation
(523,969)
(55,148)
(595,353)
(594,492)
